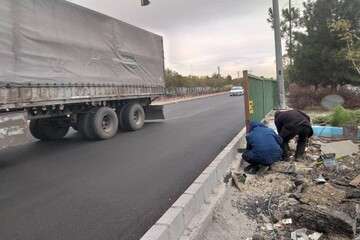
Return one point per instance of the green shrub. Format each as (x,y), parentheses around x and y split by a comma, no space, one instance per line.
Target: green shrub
(322,120)
(340,117)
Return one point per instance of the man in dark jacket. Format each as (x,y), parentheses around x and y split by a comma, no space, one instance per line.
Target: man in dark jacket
(290,124)
(263,145)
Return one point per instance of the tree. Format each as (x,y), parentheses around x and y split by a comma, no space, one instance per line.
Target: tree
(325,47)
(174,79)
(289,24)
(343,28)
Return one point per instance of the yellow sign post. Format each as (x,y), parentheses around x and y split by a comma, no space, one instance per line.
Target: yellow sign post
(251,107)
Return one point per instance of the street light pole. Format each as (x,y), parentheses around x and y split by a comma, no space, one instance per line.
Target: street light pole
(279,61)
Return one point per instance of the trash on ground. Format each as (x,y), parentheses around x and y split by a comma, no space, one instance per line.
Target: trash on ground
(355,182)
(320,179)
(300,234)
(315,198)
(287,221)
(315,236)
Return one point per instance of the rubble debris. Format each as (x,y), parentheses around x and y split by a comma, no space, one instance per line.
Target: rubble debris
(257,237)
(269,227)
(315,236)
(355,182)
(324,194)
(300,234)
(320,179)
(286,221)
(315,195)
(353,193)
(283,167)
(341,148)
(302,169)
(329,160)
(325,220)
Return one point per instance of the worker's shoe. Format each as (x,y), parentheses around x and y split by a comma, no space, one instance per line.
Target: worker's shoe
(252,169)
(256,169)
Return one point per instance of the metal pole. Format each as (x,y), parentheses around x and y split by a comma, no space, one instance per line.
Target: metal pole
(246,99)
(279,62)
(290,33)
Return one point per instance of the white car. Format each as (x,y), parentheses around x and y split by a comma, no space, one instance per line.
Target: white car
(237,91)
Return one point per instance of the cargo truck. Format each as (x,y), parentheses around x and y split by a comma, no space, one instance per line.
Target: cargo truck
(63,66)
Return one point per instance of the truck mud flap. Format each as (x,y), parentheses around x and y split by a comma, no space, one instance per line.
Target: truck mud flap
(154,112)
(13,129)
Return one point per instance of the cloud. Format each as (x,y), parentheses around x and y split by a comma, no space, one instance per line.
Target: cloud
(200,35)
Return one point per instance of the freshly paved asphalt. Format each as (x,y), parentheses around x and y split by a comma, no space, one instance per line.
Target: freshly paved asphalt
(115,189)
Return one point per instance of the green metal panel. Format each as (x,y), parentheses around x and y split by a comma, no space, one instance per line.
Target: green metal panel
(263,93)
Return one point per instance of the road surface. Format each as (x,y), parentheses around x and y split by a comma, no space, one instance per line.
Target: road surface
(115,189)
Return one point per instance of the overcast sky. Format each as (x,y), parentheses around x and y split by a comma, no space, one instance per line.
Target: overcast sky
(200,35)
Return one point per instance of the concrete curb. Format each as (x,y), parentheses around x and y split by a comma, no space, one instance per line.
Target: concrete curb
(188,217)
(187,99)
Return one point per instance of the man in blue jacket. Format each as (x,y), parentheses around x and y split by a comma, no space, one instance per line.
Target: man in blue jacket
(263,146)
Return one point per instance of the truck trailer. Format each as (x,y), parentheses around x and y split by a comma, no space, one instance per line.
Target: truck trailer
(63,66)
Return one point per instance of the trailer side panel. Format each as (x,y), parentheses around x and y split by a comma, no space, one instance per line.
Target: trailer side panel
(57,42)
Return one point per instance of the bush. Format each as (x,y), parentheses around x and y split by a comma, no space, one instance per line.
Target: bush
(301,97)
(340,117)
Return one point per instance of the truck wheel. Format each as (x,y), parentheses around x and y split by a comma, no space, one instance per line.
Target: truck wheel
(36,130)
(120,114)
(133,117)
(49,129)
(85,127)
(105,123)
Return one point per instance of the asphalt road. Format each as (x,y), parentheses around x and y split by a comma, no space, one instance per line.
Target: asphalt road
(115,189)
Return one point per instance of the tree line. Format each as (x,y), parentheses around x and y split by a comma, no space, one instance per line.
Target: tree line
(322,42)
(174,79)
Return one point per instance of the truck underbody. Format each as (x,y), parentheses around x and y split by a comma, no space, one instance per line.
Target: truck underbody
(97,113)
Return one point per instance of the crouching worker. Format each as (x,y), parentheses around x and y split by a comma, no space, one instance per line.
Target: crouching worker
(263,147)
(290,124)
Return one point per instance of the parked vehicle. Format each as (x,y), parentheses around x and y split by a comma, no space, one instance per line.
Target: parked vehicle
(69,66)
(237,91)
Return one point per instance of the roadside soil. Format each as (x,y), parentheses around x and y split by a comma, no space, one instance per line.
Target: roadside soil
(293,200)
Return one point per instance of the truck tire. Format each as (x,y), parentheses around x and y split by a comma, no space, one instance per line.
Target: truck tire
(133,117)
(105,123)
(120,114)
(50,129)
(36,130)
(85,127)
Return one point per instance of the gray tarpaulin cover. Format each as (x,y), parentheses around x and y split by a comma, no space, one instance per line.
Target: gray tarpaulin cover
(54,41)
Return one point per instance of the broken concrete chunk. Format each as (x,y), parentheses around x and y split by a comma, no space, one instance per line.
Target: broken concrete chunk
(269,227)
(315,236)
(353,193)
(324,194)
(287,221)
(299,234)
(355,182)
(323,219)
(302,169)
(341,149)
(258,237)
(320,180)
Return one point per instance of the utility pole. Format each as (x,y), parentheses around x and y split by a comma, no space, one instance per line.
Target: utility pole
(290,33)
(219,72)
(279,61)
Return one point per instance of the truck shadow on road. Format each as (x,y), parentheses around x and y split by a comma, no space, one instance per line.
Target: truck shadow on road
(74,141)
